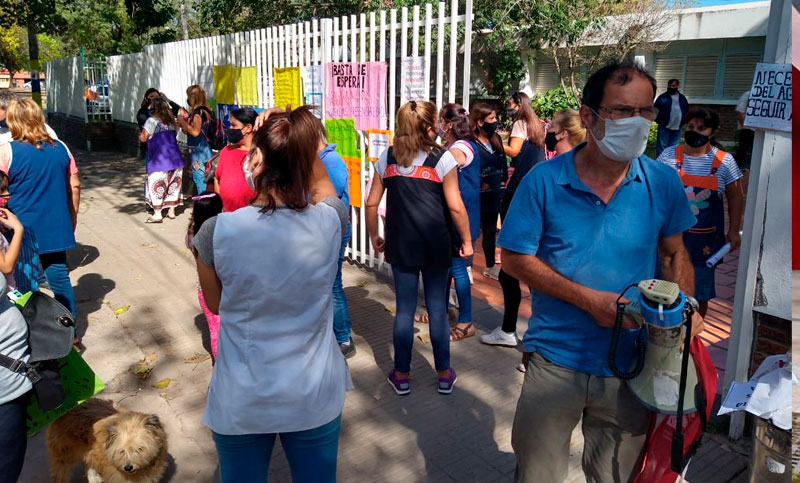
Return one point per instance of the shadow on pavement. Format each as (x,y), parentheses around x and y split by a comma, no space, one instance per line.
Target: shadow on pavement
(90,292)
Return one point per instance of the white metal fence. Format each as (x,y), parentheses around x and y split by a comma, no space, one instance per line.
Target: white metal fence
(65,87)
(367,37)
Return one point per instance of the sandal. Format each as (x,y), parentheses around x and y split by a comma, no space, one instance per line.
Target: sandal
(421,318)
(154,220)
(171,216)
(457,333)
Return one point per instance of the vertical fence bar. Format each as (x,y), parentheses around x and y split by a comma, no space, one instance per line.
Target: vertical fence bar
(382,38)
(345,31)
(309,39)
(335,38)
(451,79)
(415,35)
(392,65)
(440,31)
(467,55)
(372,34)
(270,79)
(316,55)
(353,39)
(403,37)
(426,79)
(363,30)
(362,231)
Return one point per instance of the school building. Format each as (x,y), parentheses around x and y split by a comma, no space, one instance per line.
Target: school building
(713,51)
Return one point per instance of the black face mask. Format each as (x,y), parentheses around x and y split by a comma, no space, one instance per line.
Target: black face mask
(672,91)
(234,136)
(511,113)
(489,128)
(695,139)
(550,141)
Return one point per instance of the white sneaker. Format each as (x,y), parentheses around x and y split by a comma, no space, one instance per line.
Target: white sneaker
(498,337)
(492,273)
(469,274)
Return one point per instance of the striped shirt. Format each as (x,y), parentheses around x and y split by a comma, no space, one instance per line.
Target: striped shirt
(727,173)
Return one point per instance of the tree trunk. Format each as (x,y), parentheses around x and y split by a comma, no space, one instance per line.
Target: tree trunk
(33,50)
(184,23)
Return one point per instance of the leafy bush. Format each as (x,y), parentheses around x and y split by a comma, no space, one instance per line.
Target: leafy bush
(552,101)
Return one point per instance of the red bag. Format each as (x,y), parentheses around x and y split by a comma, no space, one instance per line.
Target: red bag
(656,463)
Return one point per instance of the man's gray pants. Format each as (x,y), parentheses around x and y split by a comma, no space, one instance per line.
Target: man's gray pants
(553,401)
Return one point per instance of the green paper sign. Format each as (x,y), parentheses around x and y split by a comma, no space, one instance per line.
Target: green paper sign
(80,383)
(342,132)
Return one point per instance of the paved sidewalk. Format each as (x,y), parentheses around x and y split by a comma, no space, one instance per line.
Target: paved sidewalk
(121,263)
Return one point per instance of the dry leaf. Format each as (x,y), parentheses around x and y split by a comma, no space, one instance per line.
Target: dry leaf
(139,277)
(162,383)
(122,310)
(152,356)
(424,337)
(362,284)
(197,358)
(142,370)
(149,245)
(389,309)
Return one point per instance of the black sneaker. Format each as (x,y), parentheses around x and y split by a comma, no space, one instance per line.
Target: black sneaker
(348,348)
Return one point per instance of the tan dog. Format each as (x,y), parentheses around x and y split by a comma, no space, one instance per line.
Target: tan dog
(114,444)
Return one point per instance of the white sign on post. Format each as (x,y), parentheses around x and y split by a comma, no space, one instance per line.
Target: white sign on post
(312,87)
(770,103)
(412,79)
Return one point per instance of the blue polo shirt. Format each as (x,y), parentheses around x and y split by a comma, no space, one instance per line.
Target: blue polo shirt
(557,218)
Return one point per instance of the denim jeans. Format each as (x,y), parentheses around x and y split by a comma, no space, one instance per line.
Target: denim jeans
(666,138)
(341,314)
(463,289)
(13,437)
(312,454)
(406,283)
(57,274)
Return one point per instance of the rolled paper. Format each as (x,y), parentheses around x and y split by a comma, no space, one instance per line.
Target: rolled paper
(717,256)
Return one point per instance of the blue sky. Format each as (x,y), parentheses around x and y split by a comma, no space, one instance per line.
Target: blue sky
(711,3)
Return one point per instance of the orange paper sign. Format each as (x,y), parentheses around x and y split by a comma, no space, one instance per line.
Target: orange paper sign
(354,175)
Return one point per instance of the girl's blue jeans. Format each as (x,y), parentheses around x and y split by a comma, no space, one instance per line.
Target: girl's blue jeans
(463,289)
(312,454)
(406,284)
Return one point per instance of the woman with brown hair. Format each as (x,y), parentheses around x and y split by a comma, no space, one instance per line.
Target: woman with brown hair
(196,126)
(162,187)
(525,148)
(422,200)
(279,370)
(494,171)
(42,192)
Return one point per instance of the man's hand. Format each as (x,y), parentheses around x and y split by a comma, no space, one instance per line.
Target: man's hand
(734,239)
(378,244)
(602,306)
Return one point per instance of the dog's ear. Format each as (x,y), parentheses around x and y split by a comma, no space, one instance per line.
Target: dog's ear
(153,422)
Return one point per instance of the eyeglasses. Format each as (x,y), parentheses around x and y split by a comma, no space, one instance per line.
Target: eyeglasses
(650,113)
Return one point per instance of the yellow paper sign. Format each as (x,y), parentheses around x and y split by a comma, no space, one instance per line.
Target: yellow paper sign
(247,86)
(225,84)
(288,87)
(354,177)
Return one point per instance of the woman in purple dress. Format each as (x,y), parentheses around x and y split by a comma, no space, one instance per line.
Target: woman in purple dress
(164,163)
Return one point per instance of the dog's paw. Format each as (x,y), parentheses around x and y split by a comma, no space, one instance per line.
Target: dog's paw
(93,476)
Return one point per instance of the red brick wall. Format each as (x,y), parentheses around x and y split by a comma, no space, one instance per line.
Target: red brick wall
(773,336)
(727,121)
(97,136)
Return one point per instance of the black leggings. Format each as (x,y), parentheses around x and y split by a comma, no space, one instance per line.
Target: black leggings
(489,231)
(512,294)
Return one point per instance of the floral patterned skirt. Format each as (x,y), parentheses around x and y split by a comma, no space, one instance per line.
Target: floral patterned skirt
(162,189)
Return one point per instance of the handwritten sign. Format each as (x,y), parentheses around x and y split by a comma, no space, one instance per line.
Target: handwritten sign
(378,141)
(205,79)
(356,90)
(312,88)
(224,113)
(412,79)
(247,86)
(225,83)
(770,103)
(354,179)
(288,87)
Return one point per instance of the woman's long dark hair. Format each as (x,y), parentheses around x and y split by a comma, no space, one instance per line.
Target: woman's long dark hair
(245,115)
(481,111)
(146,101)
(526,113)
(289,145)
(206,205)
(462,124)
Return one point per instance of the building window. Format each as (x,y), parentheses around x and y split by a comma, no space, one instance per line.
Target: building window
(701,76)
(667,68)
(546,75)
(739,70)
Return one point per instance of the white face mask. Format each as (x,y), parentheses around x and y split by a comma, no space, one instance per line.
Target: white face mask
(625,139)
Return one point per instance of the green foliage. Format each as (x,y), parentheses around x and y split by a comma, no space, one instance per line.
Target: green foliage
(10,58)
(552,101)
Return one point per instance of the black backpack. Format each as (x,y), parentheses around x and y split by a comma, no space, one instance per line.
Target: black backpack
(213,130)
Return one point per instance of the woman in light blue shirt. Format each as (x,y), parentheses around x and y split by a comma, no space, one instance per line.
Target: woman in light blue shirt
(268,269)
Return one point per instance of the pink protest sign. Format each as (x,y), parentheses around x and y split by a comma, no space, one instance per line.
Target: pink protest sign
(356,90)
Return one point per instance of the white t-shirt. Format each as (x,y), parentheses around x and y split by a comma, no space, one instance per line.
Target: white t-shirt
(465,148)
(446,164)
(520,130)
(675,114)
(151,124)
(727,173)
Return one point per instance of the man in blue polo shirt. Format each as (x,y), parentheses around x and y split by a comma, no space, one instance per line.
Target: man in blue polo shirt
(581,228)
